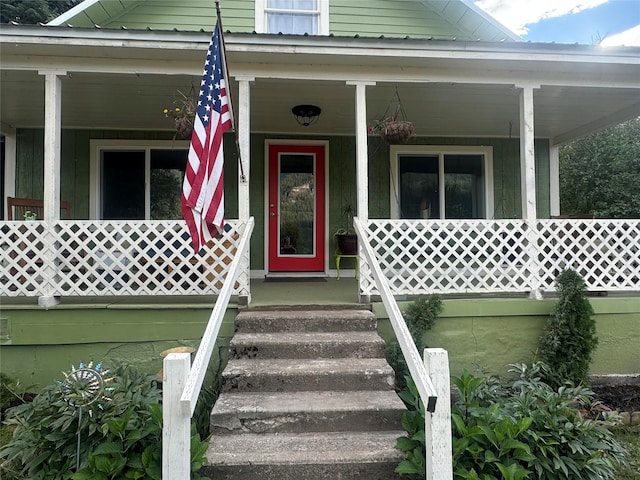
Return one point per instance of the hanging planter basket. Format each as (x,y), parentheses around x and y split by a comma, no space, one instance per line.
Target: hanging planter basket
(183,113)
(395,131)
(394,128)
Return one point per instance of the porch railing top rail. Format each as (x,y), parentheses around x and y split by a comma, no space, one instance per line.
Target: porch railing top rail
(405,340)
(197,373)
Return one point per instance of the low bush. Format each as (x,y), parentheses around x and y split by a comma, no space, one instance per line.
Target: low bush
(120,434)
(518,429)
(420,316)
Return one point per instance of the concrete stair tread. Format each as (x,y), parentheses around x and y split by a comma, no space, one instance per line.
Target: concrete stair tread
(305,448)
(298,321)
(306,337)
(277,366)
(265,403)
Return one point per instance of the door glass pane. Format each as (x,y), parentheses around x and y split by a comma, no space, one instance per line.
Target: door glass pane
(167,172)
(419,186)
(296,208)
(464,186)
(122,185)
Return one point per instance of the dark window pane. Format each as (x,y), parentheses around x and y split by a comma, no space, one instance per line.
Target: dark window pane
(464,186)
(419,186)
(122,185)
(167,172)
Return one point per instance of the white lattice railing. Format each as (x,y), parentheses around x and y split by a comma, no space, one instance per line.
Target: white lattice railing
(493,256)
(105,258)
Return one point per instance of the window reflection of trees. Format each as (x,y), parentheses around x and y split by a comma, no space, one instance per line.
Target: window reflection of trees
(297,197)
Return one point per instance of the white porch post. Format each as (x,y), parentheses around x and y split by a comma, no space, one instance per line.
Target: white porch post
(244,145)
(362,162)
(528,184)
(554,179)
(51,196)
(527,155)
(362,155)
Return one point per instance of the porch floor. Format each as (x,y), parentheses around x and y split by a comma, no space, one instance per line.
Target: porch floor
(264,293)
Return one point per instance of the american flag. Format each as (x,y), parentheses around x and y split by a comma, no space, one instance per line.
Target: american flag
(203,187)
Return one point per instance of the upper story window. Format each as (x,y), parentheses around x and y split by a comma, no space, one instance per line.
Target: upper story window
(292,16)
(442,182)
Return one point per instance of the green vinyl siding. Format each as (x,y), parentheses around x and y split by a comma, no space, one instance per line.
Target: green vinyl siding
(185,15)
(370,18)
(397,18)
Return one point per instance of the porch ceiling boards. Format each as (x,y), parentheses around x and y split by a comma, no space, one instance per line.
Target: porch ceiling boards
(123,80)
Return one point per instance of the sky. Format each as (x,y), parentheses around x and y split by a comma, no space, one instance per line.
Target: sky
(605,22)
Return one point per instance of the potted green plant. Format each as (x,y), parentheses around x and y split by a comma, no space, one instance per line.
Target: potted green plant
(30,216)
(345,237)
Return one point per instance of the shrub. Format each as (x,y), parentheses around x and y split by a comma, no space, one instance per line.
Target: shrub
(518,429)
(569,339)
(120,436)
(420,316)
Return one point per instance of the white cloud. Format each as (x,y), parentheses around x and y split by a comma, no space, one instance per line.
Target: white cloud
(517,14)
(630,38)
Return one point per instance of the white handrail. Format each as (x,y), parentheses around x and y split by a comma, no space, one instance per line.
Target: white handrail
(197,373)
(414,361)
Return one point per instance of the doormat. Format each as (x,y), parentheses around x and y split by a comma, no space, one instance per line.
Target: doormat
(294,279)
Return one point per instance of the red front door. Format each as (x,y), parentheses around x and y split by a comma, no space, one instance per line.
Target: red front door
(296,208)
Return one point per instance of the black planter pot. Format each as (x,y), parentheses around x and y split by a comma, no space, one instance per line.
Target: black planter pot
(347,243)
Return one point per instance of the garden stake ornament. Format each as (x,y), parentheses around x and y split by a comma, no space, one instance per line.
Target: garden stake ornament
(81,388)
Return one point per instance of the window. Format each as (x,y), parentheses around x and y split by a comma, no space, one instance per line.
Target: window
(442,182)
(137,182)
(292,16)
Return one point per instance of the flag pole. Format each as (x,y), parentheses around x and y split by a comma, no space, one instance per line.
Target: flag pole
(243,178)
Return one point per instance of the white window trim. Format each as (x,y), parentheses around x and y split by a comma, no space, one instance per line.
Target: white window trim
(440,151)
(261,17)
(96,147)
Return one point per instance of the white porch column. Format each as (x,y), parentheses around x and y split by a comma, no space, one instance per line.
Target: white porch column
(362,155)
(51,195)
(52,134)
(528,187)
(243,130)
(554,179)
(527,154)
(244,144)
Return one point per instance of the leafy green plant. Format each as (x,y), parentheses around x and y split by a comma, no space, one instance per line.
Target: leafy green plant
(486,440)
(13,393)
(520,428)
(420,316)
(120,436)
(414,443)
(569,338)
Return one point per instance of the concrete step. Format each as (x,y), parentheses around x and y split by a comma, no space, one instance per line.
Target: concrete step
(360,344)
(311,456)
(265,321)
(299,412)
(285,375)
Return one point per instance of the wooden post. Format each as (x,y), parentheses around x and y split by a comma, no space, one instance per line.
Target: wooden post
(438,424)
(528,186)
(176,422)
(51,194)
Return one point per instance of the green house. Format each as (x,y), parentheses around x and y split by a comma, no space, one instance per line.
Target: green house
(466,206)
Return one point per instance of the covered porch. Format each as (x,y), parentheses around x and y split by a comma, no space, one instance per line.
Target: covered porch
(515,103)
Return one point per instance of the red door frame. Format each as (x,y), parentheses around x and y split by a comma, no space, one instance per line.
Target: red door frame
(293,263)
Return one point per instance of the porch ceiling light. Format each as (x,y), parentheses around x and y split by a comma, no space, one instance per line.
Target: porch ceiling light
(306,115)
